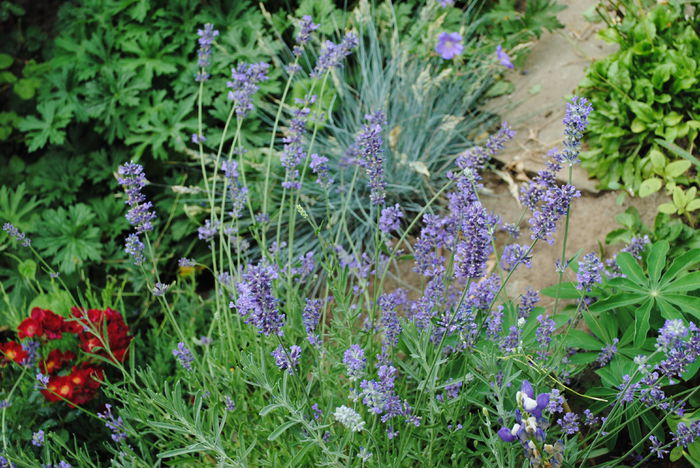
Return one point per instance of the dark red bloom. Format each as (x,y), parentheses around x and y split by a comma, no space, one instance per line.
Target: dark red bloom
(55,361)
(59,388)
(42,323)
(12,351)
(78,387)
(110,332)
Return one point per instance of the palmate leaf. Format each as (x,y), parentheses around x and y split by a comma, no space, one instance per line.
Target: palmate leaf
(151,57)
(70,237)
(48,129)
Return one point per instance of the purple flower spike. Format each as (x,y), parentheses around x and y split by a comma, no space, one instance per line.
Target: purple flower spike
(503,58)
(527,389)
(505,434)
(449,45)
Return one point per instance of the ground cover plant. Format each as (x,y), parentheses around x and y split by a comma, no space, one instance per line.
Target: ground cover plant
(644,129)
(303,358)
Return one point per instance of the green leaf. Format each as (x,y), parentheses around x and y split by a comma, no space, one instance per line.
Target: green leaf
(5,61)
(657,260)
(643,111)
(641,323)
(693,205)
(617,300)
(678,151)
(270,407)
(688,304)
(580,339)
(27,269)
(26,88)
(689,282)
(631,268)
(281,429)
(676,454)
(638,126)
(677,168)
(49,128)
(625,285)
(650,186)
(565,290)
(667,208)
(59,301)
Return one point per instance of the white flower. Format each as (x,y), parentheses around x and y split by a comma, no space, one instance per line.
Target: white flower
(349,418)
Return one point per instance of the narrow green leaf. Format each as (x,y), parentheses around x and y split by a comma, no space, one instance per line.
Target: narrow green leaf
(625,285)
(689,282)
(580,339)
(657,260)
(281,429)
(641,322)
(617,300)
(631,268)
(688,304)
(685,261)
(268,408)
(678,151)
(566,290)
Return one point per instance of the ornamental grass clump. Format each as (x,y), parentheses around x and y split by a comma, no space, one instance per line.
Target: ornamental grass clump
(329,357)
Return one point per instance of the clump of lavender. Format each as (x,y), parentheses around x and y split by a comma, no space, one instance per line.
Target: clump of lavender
(544,332)
(32,348)
(184,356)
(287,360)
(472,252)
(293,152)
(140,215)
(370,148)
(528,301)
(206,39)
(16,234)
(390,218)
(256,303)
(589,272)
(332,55)
(494,323)
(134,247)
(245,82)
(310,318)
(113,423)
(380,397)
(355,362)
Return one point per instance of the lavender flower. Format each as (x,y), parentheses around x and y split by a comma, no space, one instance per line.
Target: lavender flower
(355,362)
(287,360)
(389,219)
(206,39)
(569,423)
(473,251)
(5,404)
(38,438)
(310,318)
(197,138)
(256,303)
(636,246)
(159,289)
(446,3)
(575,123)
(512,341)
(556,402)
(657,447)
(685,436)
(391,326)
(503,57)
(369,142)
(246,78)
(186,263)
(589,272)
(364,454)
(627,389)
(293,152)
(238,194)
(132,178)
(318,412)
(229,404)
(590,420)
(31,347)
(332,55)
(607,353)
(134,247)
(380,397)
(209,230)
(671,334)
(512,229)
(17,234)
(449,45)
(114,424)
(556,202)
(513,255)
(528,301)
(349,418)
(43,380)
(306,27)
(5,463)
(319,166)
(544,331)
(184,356)
(494,323)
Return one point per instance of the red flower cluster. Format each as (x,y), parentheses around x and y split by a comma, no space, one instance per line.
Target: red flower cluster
(97,330)
(12,351)
(111,321)
(78,387)
(44,323)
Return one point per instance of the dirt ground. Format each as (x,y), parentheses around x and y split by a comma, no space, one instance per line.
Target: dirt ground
(554,67)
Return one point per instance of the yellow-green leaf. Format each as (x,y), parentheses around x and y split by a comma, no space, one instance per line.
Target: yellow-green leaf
(677,168)
(667,208)
(650,186)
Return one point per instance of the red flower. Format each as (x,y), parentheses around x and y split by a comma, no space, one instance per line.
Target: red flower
(59,388)
(42,323)
(55,361)
(111,330)
(12,351)
(29,328)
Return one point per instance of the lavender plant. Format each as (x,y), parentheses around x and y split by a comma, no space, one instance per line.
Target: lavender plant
(305,358)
